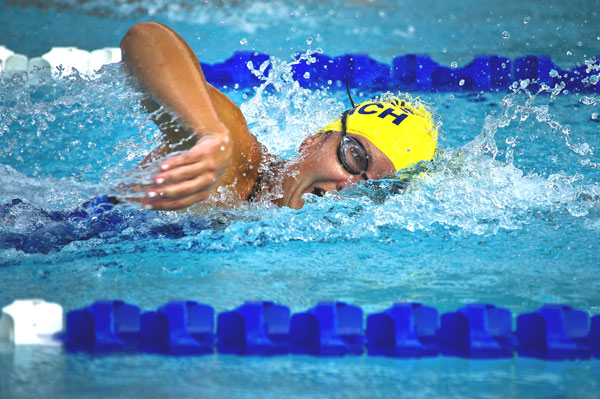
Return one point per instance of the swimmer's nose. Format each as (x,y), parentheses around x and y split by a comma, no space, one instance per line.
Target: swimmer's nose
(346,182)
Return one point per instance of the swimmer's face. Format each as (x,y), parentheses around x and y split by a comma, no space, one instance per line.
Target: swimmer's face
(318,169)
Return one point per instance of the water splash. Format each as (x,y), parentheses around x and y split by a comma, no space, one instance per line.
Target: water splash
(281,113)
(469,190)
(73,129)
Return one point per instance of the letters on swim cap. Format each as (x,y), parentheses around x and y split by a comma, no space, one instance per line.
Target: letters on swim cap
(404,132)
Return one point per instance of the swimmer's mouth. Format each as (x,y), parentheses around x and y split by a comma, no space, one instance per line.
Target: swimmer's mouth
(318,192)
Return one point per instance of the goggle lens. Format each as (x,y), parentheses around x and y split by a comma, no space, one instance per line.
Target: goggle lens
(353,156)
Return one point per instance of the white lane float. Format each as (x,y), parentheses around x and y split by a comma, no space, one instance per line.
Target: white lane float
(31,322)
(59,61)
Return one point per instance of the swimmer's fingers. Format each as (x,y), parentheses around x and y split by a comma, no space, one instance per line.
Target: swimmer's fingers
(209,148)
(176,203)
(184,172)
(182,189)
(188,178)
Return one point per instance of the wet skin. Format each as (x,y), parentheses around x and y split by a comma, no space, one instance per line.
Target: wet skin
(225,153)
(317,169)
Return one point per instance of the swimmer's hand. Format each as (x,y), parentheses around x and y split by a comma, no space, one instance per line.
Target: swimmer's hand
(189,177)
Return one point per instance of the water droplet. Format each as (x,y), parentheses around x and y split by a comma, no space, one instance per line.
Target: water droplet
(309,40)
(594,79)
(244,41)
(553,73)
(244,96)
(461,82)
(504,65)
(526,20)
(236,86)
(453,64)
(505,35)
(306,75)
(329,82)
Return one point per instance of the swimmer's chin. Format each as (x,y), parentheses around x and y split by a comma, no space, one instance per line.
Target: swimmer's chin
(296,204)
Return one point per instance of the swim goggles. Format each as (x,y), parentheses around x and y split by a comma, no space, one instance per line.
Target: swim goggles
(351,153)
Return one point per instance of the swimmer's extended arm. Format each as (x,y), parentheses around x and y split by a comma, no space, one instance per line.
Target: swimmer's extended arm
(225,153)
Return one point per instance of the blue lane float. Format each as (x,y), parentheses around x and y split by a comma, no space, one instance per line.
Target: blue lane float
(477,331)
(555,332)
(104,326)
(328,329)
(415,72)
(178,328)
(255,328)
(405,330)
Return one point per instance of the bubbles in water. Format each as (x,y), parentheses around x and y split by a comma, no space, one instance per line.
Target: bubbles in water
(505,35)
(504,65)
(526,20)
(276,114)
(553,73)
(309,40)
(453,64)
(594,79)
(244,41)
(585,100)
(461,82)
(595,116)
(569,52)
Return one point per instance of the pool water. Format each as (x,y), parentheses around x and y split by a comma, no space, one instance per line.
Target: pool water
(508,215)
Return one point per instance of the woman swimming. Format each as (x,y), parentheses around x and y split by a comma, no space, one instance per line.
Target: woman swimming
(374,139)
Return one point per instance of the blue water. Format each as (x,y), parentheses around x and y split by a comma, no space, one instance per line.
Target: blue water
(509,215)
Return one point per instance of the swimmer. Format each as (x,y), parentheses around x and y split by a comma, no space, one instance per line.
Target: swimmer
(374,139)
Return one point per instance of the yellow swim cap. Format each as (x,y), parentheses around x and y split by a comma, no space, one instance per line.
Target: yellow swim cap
(403,131)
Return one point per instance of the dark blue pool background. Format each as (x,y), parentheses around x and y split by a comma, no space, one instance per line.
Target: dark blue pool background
(449,32)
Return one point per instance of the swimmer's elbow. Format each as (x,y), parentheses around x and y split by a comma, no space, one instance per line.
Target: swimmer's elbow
(140,33)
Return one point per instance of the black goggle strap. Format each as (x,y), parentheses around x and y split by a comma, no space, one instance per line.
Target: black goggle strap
(362,173)
(349,95)
(343,120)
